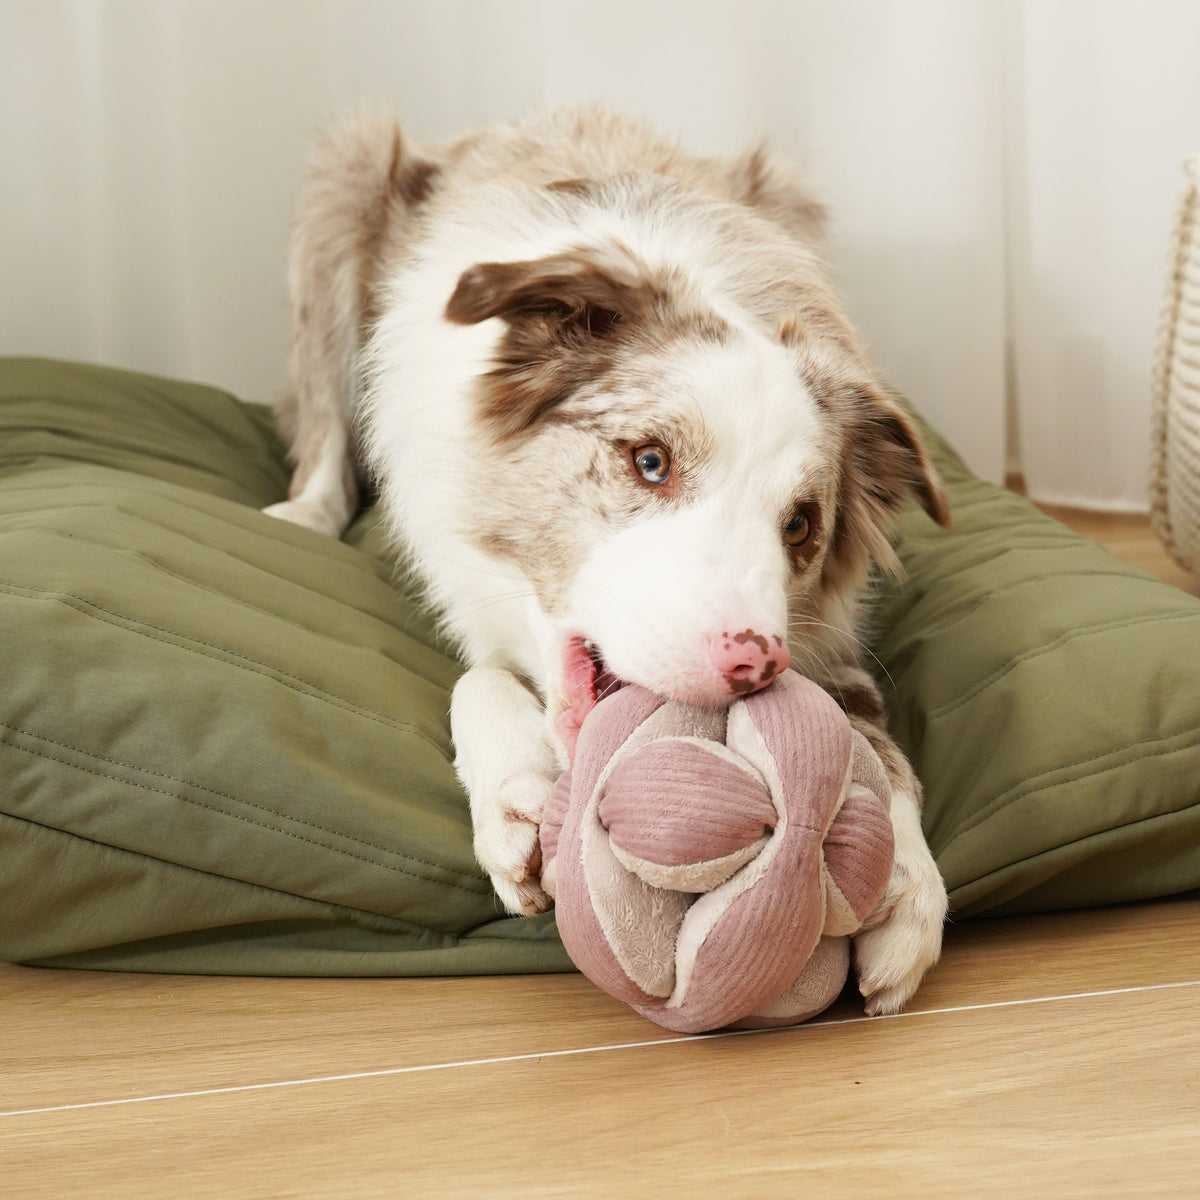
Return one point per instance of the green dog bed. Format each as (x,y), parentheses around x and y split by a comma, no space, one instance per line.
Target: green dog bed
(224,745)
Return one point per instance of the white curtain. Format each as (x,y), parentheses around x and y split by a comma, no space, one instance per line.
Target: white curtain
(1000,174)
(1103,105)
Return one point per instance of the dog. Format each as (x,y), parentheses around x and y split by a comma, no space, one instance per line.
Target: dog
(622,427)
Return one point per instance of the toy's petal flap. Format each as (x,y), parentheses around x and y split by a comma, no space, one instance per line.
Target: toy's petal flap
(818,985)
(677,802)
(859,848)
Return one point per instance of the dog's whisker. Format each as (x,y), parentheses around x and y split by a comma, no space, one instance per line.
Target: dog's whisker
(490,602)
(798,622)
(608,689)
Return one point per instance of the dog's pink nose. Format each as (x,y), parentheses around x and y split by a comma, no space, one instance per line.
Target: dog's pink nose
(748,660)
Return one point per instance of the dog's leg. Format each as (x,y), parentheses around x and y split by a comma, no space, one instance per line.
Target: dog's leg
(509,768)
(363,184)
(324,489)
(892,956)
(904,938)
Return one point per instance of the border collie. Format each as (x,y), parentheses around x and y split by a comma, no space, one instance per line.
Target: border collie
(622,427)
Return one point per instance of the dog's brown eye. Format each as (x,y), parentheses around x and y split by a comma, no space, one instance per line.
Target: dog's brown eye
(653,463)
(799,529)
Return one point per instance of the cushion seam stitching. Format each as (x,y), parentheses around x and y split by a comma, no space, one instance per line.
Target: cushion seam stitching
(1036,652)
(952,619)
(249,883)
(1014,794)
(245,662)
(1088,837)
(308,631)
(368,564)
(146,787)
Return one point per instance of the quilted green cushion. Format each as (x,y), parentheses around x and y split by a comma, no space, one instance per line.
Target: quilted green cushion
(224,746)
(1048,696)
(223,739)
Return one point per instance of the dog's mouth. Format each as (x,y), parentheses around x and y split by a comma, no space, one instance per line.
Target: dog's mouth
(586,681)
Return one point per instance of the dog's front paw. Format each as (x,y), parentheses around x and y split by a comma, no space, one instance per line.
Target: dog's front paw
(893,955)
(506,840)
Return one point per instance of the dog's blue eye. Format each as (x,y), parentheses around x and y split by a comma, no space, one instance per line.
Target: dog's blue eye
(653,463)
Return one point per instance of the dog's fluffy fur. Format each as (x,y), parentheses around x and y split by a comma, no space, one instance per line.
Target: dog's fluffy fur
(616,414)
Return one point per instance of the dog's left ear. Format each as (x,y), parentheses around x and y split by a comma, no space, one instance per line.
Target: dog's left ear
(568,290)
(883,463)
(887,458)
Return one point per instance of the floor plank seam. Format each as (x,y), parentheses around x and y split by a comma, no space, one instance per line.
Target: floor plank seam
(579,1050)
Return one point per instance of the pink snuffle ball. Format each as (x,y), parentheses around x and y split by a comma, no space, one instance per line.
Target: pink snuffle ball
(709,865)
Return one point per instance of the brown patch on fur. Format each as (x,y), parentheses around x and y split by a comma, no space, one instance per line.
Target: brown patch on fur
(766,184)
(881,462)
(413,179)
(568,318)
(558,323)
(897,768)
(541,499)
(900,458)
(882,449)
(800,556)
(859,697)
(573,187)
(819,330)
(565,286)
(754,175)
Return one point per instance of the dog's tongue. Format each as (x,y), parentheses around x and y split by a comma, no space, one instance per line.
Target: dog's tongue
(583,682)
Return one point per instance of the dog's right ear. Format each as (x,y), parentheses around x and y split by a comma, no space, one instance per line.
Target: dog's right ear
(570,290)
(564,316)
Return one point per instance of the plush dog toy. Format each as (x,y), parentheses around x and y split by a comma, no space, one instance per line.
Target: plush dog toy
(708,865)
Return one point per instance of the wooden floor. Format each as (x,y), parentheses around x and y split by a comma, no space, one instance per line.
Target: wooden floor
(1052,1056)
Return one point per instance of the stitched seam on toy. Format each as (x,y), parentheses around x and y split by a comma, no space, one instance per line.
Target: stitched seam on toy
(479,886)
(1070,635)
(184,642)
(258,887)
(1125,757)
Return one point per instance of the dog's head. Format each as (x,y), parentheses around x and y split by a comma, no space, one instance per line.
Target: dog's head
(689,491)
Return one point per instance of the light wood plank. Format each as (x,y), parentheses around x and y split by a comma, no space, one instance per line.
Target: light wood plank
(84,1037)
(1092,1097)
(79,1036)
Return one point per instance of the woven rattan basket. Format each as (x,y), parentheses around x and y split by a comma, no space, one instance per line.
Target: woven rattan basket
(1175,432)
